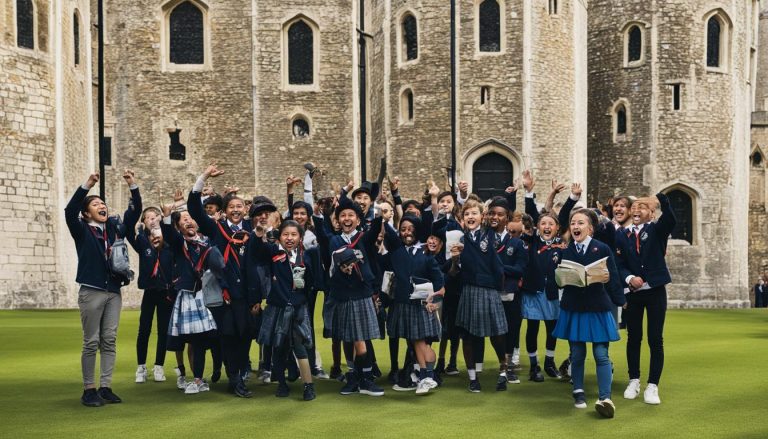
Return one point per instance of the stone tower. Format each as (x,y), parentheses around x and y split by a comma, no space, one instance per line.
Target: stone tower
(46,145)
(669,110)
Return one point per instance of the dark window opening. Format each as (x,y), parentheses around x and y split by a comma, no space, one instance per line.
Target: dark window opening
(485,95)
(300,54)
(682,206)
(187,34)
(176,151)
(76,37)
(409,98)
(411,37)
(621,121)
(300,128)
(106,157)
(491,175)
(490,26)
(713,42)
(552,7)
(757,159)
(635,44)
(676,96)
(25,24)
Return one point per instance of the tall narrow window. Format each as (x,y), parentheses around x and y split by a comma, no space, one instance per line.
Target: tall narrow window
(552,7)
(682,205)
(621,120)
(187,34)
(485,96)
(676,97)
(176,151)
(300,54)
(714,30)
(634,44)
(25,24)
(410,37)
(406,106)
(490,26)
(76,37)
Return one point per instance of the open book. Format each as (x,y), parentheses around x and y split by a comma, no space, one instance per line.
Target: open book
(575,274)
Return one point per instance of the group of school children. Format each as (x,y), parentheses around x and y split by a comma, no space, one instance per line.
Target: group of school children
(384,268)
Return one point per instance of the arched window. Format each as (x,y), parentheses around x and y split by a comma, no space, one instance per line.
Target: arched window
(490,26)
(300,128)
(714,29)
(485,96)
(186,33)
(717,33)
(410,38)
(634,44)
(621,120)
(300,53)
(406,106)
(682,205)
(25,24)
(491,174)
(757,159)
(76,37)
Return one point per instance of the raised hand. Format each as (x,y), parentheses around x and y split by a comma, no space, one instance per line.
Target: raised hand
(230,189)
(576,190)
(130,177)
(92,180)
(208,191)
(528,181)
(463,189)
(350,185)
(178,196)
(434,191)
(394,184)
(167,209)
(212,171)
(557,187)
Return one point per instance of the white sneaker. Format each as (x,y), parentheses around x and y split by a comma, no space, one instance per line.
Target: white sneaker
(651,394)
(423,387)
(192,388)
(181,381)
(633,389)
(141,374)
(430,382)
(266,377)
(203,387)
(159,373)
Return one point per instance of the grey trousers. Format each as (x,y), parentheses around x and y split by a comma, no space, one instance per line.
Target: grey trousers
(100,315)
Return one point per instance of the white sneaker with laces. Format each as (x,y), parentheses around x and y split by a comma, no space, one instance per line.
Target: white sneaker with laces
(430,382)
(633,389)
(203,387)
(192,388)
(181,381)
(423,387)
(651,394)
(266,377)
(159,373)
(141,374)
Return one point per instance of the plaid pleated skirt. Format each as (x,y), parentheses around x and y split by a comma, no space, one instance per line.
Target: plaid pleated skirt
(276,326)
(354,320)
(481,312)
(412,321)
(190,316)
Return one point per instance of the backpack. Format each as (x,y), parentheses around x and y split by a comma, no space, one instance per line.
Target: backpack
(119,264)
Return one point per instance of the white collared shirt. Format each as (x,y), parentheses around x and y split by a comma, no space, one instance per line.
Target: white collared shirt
(584,244)
(233,225)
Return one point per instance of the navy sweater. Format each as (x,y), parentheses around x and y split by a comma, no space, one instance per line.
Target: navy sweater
(480,264)
(406,265)
(514,257)
(282,293)
(596,297)
(155,266)
(92,253)
(233,273)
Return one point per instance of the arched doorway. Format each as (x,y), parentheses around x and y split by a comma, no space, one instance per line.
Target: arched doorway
(491,175)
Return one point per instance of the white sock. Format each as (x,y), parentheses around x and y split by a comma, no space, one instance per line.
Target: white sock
(472,374)
(516,356)
(550,354)
(479,367)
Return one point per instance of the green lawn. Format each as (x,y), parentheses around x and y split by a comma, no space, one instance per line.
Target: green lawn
(713,386)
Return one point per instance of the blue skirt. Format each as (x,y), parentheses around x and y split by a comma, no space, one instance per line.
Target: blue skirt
(588,327)
(538,307)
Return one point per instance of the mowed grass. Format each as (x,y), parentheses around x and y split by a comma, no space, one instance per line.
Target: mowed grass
(714,385)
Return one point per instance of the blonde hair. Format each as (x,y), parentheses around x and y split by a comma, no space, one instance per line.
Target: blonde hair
(472,204)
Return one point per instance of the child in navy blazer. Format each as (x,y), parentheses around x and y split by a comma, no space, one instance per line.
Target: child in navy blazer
(99,297)
(640,251)
(585,315)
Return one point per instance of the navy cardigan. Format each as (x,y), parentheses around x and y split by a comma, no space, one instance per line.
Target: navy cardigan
(596,297)
(92,264)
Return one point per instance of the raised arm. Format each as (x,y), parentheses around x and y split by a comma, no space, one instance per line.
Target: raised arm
(511,196)
(72,210)
(530,204)
(135,206)
(556,189)
(369,238)
(195,205)
(668,221)
(170,234)
(565,211)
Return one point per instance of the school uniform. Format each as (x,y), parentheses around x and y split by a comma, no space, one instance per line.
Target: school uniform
(453,283)
(586,316)
(514,257)
(640,251)
(155,279)
(409,318)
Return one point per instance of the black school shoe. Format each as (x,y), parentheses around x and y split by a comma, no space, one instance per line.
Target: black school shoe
(282,390)
(106,394)
(216,375)
(309,392)
(241,391)
(535,375)
(474,386)
(91,398)
(392,376)
(564,366)
(375,371)
(501,383)
(336,373)
(370,388)
(351,386)
(512,377)
(551,370)
(440,367)
(451,370)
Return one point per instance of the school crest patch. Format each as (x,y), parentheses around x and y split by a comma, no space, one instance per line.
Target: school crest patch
(149,252)
(484,245)
(358,254)
(644,236)
(510,251)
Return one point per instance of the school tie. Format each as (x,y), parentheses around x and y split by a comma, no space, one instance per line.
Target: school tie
(636,234)
(235,228)
(579,248)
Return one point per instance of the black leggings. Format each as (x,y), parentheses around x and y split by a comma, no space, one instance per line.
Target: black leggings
(198,344)
(474,346)
(153,301)
(311,301)
(234,350)
(514,320)
(532,335)
(654,303)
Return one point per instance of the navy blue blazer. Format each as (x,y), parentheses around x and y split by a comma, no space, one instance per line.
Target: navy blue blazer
(186,255)
(649,263)
(355,286)
(595,297)
(406,265)
(155,266)
(92,263)
(514,258)
(283,291)
(480,264)
(233,271)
